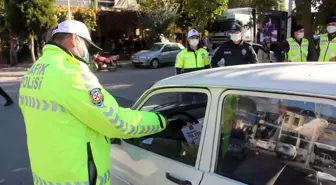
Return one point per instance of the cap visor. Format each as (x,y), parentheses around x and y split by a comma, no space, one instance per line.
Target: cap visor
(94,46)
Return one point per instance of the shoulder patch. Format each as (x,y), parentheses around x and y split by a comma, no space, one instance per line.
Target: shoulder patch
(97,97)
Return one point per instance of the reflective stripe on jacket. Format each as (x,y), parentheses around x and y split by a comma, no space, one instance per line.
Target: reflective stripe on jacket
(189,60)
(297,52)
(327,48)
(69,117)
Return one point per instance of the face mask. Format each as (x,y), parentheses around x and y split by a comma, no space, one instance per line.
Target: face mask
(86,55)
(194,42)
(331,29)
(300,35)
(235,37)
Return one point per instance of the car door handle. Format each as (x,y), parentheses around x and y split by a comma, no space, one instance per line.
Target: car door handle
(177,181)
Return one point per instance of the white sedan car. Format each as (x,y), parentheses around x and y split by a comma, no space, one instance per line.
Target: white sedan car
(208,108)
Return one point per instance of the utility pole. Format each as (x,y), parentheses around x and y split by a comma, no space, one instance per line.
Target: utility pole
(96,4)
(289,18)
(69,11)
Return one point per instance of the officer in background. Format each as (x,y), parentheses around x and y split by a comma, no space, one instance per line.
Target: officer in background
(194,57)
(295,49)
(327,46)
(236,51)
(70,117)
(265,55)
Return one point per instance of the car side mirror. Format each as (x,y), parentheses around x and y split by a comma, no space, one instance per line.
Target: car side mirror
(115,141)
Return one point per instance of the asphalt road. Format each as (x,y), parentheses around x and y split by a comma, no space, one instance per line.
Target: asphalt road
(126,84)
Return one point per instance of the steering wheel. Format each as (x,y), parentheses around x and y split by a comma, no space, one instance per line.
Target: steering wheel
(176,128)
(186,114)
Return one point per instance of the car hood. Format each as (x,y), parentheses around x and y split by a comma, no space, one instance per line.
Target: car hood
(146,53)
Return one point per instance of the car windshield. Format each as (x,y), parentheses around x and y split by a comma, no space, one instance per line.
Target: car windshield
(156,47)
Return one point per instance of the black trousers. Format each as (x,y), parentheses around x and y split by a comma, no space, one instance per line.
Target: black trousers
(5,95)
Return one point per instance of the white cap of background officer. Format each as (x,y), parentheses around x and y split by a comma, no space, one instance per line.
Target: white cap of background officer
(193,38)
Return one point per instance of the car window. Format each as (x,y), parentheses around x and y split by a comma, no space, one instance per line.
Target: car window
(181,139)
(281,141)
(167,48)
(175,47)
(156,47)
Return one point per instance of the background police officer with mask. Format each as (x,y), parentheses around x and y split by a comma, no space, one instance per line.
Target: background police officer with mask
(327,46)
(235,51)
(194,57)
(296,48)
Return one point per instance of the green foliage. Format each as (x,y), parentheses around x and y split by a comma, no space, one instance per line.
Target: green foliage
(260,5)
(29,17)
(160,13)
(87,16)
(2,17)
(200,13)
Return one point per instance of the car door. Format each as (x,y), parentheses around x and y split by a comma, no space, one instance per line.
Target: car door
(233,164)
(168,158)
(165,54)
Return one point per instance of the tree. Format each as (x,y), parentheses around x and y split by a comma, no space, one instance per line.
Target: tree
(198,14)
(158,15)
(260,5)
(29,18)
(85,15)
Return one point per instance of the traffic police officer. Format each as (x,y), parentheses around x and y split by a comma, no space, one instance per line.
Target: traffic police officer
(194,57)
(235,51)
(295,49)
(327,45)
(70,117)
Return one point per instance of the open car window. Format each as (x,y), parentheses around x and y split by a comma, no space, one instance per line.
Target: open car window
(277,141)
(181,139)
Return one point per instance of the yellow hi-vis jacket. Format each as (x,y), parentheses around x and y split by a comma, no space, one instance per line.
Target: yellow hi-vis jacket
(327,48)
(297,52)
(69,117)
(189,60)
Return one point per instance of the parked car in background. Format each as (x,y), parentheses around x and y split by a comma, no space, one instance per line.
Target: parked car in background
(266,144)
(159,54)
(325,160)
(286,151)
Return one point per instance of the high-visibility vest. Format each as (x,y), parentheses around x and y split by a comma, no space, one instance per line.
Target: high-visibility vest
(297,52)
(69,119)
(192,60)
(327,48)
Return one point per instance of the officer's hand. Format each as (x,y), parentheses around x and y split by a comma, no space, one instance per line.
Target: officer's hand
(333,59)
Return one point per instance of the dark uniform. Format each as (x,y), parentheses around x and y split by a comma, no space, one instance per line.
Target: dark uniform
(230,54)
(234,54)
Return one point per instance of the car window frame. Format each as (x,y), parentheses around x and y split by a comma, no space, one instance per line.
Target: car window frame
(167,45)
(152,92)
(177,46)
(277,95)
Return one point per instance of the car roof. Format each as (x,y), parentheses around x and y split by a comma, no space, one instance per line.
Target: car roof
(314,78)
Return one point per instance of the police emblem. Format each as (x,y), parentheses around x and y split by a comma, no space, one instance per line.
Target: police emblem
(203,55)
(97,97)
(244,51)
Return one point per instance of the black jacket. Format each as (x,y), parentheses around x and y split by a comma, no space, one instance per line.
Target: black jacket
(235,54)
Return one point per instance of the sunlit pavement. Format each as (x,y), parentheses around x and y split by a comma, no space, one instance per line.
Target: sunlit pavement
(126,84)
